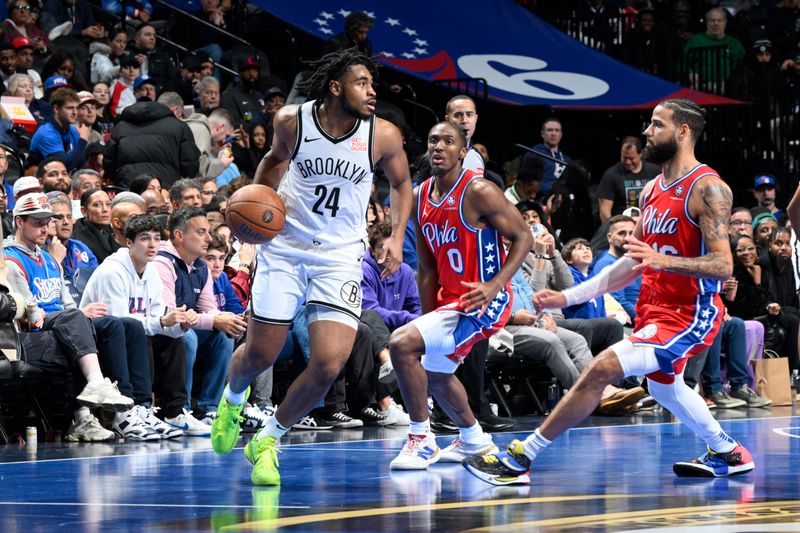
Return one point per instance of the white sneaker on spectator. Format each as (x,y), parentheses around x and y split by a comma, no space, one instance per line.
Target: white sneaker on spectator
(189,424)
(148,416)
(396,411)
(386,373)
(87,429)
(254,419)
(460,450)
(313,422)
(208,418)
(268,410)
(130,426)
(104,394)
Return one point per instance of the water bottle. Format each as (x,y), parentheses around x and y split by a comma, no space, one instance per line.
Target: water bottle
(795,384)
(553,394)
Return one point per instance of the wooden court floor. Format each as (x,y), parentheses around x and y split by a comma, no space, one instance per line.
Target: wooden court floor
(610,474)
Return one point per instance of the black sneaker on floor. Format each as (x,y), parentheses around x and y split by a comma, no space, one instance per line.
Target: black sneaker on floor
(491,422)
(371,417)
(342,421)
(441,423)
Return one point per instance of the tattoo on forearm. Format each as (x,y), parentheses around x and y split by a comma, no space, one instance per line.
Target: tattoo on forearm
(713,265)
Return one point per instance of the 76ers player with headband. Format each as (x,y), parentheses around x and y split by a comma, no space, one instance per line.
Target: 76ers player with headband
(681,250)
(463,281)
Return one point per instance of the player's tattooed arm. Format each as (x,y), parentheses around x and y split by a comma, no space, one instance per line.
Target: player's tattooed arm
(712,201)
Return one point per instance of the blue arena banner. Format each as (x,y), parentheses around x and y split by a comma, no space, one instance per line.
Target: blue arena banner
(523,59)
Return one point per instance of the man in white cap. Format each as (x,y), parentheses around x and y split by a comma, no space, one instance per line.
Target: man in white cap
(87,115)
(33,273)
(25,185)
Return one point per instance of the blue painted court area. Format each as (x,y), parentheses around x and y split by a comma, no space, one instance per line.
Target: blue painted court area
(609,475)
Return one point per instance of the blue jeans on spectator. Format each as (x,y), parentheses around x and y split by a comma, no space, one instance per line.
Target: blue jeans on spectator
(215,350)
(733,332)
(122,351)
(298,340)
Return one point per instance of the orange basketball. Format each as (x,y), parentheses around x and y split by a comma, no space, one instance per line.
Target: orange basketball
(255,214)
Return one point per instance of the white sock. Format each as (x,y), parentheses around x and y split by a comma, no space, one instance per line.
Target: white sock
(94,377)
(81,412)
(535,444)
(235,398)
(419,428)
(472,434)
(272,429)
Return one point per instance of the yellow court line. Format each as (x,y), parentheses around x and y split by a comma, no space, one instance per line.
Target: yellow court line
(626,516)
(361,513)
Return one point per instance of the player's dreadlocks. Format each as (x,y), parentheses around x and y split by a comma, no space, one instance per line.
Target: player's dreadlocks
(331,67)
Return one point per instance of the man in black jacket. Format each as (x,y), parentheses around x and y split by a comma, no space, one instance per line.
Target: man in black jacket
(155,142)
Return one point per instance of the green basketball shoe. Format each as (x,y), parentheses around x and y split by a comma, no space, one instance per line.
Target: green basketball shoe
(263,455)
(226,426)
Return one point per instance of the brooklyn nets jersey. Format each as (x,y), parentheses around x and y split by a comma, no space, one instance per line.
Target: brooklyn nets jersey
(327,186)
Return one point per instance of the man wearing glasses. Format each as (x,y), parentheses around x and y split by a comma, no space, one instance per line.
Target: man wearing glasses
(741,222)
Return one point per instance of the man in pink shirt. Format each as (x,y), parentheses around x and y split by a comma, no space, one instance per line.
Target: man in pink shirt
(210,337)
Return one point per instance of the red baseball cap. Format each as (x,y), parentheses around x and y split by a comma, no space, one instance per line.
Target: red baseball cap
(21,42)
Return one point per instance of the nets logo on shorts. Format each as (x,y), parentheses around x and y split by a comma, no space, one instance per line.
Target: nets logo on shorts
(351,294)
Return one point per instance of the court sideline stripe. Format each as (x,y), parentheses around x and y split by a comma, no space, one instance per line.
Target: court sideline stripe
(361,513)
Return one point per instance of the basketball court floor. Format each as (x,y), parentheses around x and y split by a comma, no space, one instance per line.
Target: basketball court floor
(610,474)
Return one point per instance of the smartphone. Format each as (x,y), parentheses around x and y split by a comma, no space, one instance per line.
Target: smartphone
(537,229)
(230,139)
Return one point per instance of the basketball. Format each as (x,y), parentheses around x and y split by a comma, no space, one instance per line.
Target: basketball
(255,214)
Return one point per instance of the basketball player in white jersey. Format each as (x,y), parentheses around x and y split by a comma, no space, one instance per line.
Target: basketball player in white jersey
(321,162)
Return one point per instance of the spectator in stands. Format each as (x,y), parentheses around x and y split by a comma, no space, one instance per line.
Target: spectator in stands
(207,95)
(741,222)
(136,9)
(785,21)
(569,204)
(758,79)
(154,62)
(59,136)
(94,229)
(224,294)
(106,56)
(25,58)
(53,176)
(128,283)
(87,116)
(35,275)
(764,224)
(764,189)
(187,281)
(646,47)
(22,85)
(208,189)
(577,253)
(620,227)
(94,158)
(20,24)
(144,182)
(78,260)
(777,272)
(754,300)
(594,20)
(124,206)
(104,122)
(710,70)
(8,62)
(121,89)
(149,140)
(220,125)
(154,203)
(194,35)
(622,183)
(357,26)
(528,184)
(78,12)
(245,100)
(252,148)
(185,193)
(7,187)
(145,89)
(6,216)
(62,64)
(54,83)
(191,73)
(82,180)
(552,134)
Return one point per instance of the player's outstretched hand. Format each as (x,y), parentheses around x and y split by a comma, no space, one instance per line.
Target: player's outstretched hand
(390,255)
(644,253)
(548,299)
(479,297)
